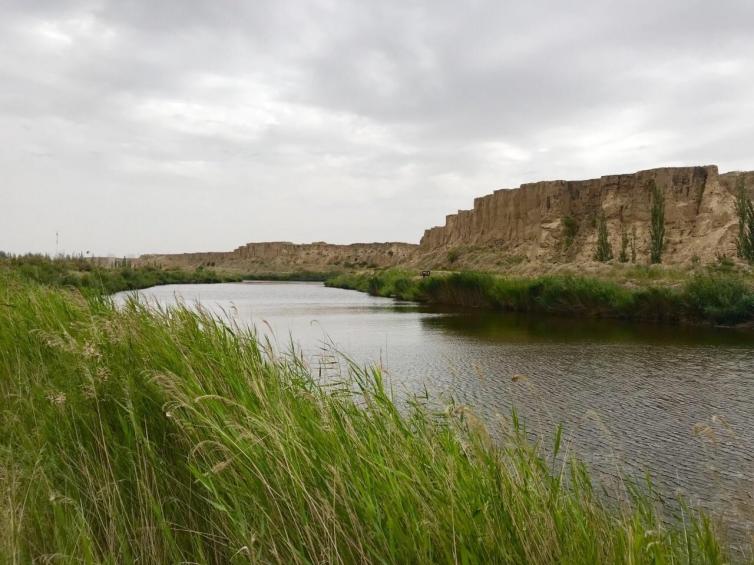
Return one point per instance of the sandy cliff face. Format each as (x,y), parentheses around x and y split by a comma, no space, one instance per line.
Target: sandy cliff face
(280,256)
(529,223)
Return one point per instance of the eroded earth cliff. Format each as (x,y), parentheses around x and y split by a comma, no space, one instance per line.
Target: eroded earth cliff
(555,222)
(538,224)
(282,256)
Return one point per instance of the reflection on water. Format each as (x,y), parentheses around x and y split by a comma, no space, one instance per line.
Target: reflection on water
(522,328)
(676,402)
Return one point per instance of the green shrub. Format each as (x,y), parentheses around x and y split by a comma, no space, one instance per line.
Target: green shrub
(460,289)
(745,213)
(657,224)
(721,299)
(633,244)
(375,285)
(723,263)
(655,303)
(570,229)
(604,251)
(623,257)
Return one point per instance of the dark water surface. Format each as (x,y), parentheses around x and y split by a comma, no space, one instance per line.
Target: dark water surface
(675,402)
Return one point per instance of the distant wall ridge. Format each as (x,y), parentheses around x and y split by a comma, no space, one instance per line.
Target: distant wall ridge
(284,256)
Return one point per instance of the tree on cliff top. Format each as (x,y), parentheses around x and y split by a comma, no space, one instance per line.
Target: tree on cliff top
(745,212)
(657,225)
(604,251)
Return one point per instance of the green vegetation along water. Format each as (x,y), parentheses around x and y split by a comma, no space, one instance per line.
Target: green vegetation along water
(131,434)
(711,297)
(97,276)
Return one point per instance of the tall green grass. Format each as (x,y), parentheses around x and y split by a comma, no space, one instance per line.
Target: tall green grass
(93,276)
(715,298)
(130,435)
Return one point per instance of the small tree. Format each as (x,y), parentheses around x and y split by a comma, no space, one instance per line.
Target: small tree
(604,251)
(633,244)
(623,257)
(745,212)
(657,225)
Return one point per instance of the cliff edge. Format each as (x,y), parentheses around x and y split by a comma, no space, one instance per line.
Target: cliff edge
(283,256)
(539,224)
(556,221)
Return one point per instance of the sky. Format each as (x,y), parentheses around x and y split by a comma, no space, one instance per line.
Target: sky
(137,126)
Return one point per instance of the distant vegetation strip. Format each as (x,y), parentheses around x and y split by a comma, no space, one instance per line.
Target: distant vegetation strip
(142,436)
(711,297)
(293,276)
(120,274)
(93,275)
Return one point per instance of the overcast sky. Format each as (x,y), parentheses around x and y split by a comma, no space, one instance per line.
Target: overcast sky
(183,125)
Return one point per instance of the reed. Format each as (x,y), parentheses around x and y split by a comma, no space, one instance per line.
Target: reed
(137,435)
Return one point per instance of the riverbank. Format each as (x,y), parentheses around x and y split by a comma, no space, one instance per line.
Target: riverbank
(92,275)
(711,297)
(718,296)
(165,437)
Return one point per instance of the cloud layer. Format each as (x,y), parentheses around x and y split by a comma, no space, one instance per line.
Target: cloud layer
(186,125)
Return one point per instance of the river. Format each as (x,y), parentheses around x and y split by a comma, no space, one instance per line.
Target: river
(677,403)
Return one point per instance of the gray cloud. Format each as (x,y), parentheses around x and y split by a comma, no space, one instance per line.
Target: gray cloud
(184,125)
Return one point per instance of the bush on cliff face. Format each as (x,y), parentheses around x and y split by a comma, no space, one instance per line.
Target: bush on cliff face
(745,213)
(633,244)
(604,251)
(623,257)
(570,229)
(657,225)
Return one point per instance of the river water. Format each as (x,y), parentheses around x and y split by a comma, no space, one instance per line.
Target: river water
(677,403)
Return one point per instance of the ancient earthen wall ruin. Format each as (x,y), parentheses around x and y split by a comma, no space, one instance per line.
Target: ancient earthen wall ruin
(529,221)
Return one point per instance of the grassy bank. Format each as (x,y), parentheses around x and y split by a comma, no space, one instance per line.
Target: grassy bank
(92,275)
(132,435)
(293,276)
(712,297)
